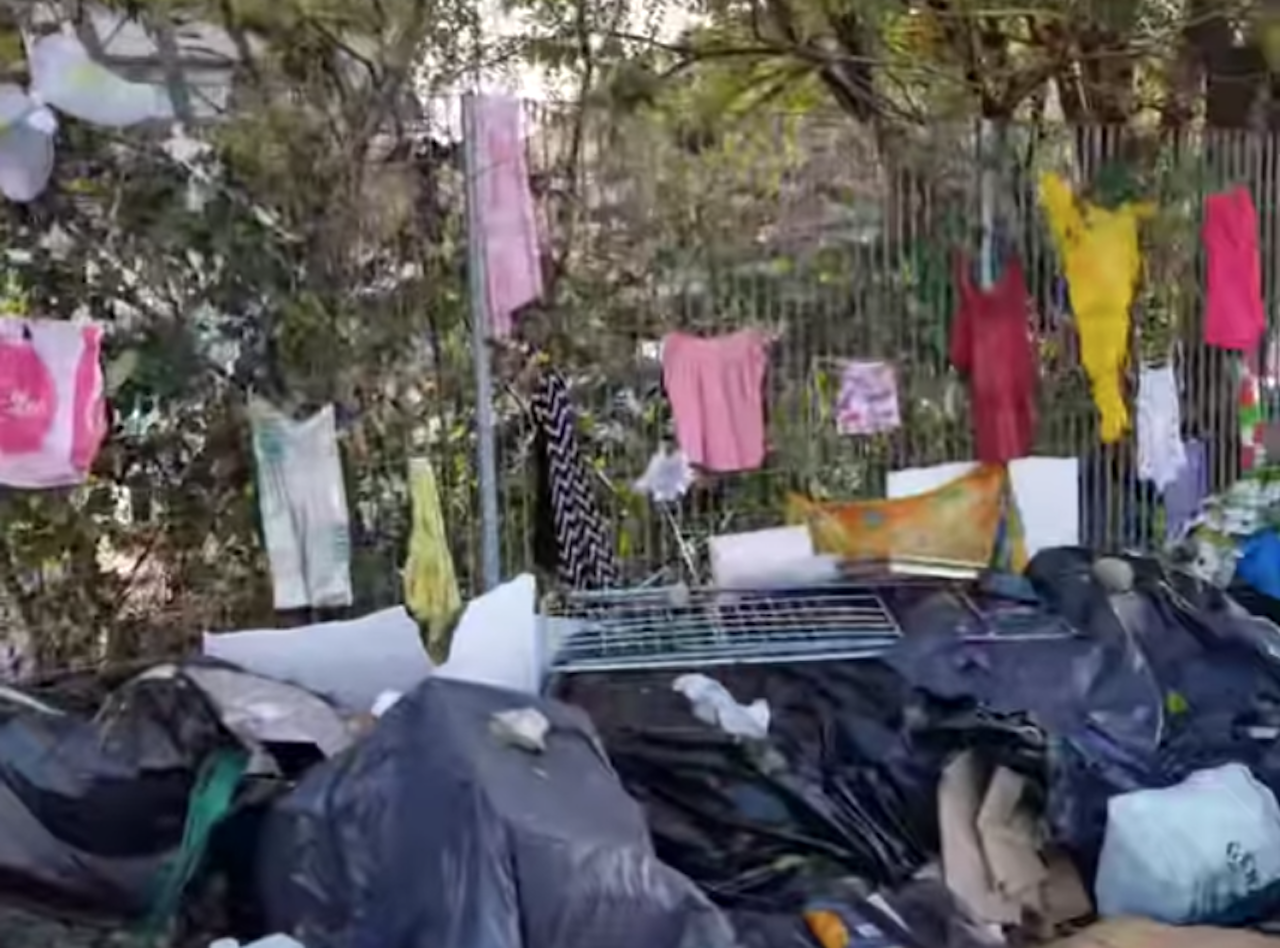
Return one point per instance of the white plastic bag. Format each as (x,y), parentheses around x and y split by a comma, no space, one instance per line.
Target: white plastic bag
(714,705)
(65,76)
(1189,853)
(26,145)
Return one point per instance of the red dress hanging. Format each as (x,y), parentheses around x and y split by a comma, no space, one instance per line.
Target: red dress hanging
(991,344)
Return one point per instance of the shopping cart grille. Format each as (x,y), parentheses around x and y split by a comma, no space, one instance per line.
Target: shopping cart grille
(677,627)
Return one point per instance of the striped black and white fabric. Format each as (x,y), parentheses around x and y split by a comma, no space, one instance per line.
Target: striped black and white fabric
(579,536)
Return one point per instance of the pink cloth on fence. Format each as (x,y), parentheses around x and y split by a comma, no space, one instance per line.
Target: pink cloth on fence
(1234,318)
(505,212)
(868,400)
(716,388)
(52,411)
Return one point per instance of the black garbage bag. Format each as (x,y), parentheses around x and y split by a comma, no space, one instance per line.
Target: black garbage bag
(846,783)
(435,833)
(90,811)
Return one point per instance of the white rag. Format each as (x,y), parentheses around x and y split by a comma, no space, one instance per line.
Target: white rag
(304,507)
(1161,453)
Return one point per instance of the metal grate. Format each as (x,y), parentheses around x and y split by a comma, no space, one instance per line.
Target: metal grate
(679,627)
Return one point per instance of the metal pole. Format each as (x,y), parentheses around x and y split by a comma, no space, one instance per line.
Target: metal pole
(486,449)
(987,190)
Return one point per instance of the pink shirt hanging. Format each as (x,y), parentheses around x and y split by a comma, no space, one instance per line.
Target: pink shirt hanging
(716,388)
(505,212)
(52,408)
(1233,307)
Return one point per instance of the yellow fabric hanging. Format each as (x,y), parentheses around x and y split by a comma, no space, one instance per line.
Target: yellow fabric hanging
(1099,251)
(430,585)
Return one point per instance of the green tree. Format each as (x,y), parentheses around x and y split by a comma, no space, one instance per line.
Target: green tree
(306,249)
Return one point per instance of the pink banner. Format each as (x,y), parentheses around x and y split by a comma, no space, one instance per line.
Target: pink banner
(505,212)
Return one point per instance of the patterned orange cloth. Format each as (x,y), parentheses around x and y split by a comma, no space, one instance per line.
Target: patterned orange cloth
(968,523)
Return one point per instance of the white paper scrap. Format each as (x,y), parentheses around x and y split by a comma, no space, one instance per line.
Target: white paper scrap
(748,560)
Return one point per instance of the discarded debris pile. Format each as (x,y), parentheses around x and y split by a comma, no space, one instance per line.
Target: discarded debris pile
(1020,757)
(112,818)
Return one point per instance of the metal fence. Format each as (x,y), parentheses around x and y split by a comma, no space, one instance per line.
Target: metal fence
(839,239)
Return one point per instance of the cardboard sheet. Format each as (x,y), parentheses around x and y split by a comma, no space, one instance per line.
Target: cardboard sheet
(993,853)
(1140,933)
(350,662)
(499,639)
(747,560)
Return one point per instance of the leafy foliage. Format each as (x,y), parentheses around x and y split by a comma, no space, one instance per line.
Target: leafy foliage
(309,255)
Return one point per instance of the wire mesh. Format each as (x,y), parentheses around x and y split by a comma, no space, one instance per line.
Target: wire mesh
(679,627)
(836,237)
(842,245)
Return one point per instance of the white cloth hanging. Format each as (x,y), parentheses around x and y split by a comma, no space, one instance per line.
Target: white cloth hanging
(303,502)
(1161,453)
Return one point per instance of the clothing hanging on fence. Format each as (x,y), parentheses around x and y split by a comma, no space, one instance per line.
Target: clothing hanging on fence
(1233,317)
(303,503)
(430,585)
(52,410)
(962,524)
(1161,454)
(1100,255)
(868,399)
(991,344)
(505,215)
(716,388)
(1184,495)
(571,537)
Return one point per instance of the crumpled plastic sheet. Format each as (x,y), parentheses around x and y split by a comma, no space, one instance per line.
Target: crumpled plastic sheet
(844,785)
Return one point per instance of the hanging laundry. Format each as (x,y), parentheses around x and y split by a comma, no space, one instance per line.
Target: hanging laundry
(571,537)
(868,400)
(716,388)
(505,212)
(430,585)
(1233,317)
(1183,497)
(52,408)
(1099,252)
(991,344)
(303,503)
(1161,454)
(958,525)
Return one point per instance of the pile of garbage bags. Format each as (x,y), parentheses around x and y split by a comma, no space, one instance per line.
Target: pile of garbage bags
(1116,756)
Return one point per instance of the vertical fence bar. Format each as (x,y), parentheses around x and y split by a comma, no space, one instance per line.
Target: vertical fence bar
(986,153)
(486,448)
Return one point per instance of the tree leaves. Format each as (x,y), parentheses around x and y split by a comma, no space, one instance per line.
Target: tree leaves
(302,276)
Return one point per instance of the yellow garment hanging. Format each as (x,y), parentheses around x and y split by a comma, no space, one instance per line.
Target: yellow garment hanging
(430,585)
(1099,251)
